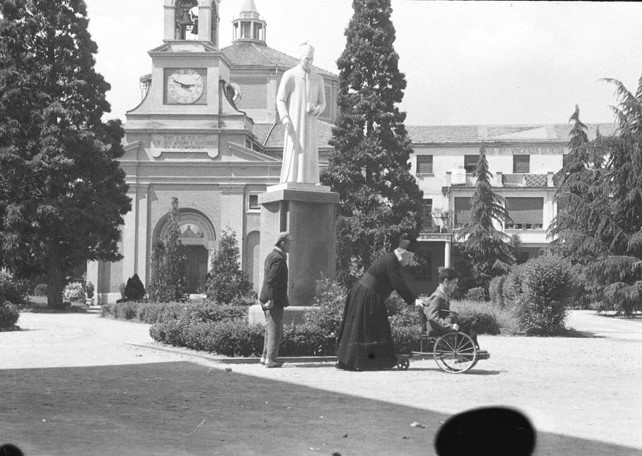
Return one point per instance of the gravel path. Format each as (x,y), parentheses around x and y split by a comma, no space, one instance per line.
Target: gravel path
(584,387)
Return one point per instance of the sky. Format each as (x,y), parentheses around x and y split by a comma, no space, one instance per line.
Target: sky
(465,62)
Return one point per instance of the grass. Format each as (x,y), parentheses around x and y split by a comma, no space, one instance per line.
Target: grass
(505,318)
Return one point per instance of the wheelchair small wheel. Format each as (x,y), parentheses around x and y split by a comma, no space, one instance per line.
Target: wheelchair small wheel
(403,364)
(455,353)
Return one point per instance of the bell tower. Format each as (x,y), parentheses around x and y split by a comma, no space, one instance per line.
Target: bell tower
(189,77)
(187,139)
(195,20)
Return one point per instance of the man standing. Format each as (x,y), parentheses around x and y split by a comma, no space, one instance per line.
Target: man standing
(274,298)
(299,101)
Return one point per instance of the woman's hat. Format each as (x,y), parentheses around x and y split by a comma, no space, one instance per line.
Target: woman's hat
(408,243)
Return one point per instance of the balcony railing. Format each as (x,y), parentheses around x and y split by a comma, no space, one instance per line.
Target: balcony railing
(457,178)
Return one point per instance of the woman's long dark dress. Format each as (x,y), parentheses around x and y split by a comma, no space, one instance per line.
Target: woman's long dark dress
(365,338)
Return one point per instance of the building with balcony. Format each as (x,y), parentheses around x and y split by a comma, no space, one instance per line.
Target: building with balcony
(523,160)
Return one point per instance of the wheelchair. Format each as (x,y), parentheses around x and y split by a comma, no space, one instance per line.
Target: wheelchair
(454,352)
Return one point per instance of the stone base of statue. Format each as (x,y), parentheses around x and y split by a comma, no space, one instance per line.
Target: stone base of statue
(308,213)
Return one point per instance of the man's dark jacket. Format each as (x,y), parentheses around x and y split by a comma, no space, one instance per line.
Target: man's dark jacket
(275,279)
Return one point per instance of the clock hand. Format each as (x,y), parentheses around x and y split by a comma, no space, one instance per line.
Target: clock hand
(183,85)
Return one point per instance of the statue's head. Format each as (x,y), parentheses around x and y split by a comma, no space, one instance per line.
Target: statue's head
(306,56)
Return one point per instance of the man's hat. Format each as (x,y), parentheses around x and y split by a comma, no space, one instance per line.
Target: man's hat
(408,242)
(306,50)
(283,237)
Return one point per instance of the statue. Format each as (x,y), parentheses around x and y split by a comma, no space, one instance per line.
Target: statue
(299,101)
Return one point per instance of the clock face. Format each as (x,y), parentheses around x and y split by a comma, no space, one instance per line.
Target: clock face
(184,86)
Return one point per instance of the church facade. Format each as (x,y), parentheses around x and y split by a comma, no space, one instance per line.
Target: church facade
(207,133)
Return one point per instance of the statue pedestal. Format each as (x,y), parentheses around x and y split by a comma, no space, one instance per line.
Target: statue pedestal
(308,213)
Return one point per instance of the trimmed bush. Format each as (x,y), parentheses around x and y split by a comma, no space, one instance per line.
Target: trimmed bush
(9,315)
(307,340)
(228,337)
(125,311)
(134,290)
(406,338)
(157,312)
(547,284)
(147,312)
(207,311)
(227,281)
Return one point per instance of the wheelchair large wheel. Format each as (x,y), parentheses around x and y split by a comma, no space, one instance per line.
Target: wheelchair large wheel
(455,353)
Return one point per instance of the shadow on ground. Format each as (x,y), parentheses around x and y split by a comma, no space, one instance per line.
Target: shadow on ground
(187,409)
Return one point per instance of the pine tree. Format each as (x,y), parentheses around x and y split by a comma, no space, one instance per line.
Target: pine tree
(600,226)
(369,166)
(168,263)
(486,246)
(62,193)
(227,280)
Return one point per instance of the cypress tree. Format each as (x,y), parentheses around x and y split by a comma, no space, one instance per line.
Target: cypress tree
(369,166)
(168,263)
(483,243)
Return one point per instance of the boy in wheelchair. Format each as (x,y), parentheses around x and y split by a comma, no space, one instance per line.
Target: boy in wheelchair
(437,319)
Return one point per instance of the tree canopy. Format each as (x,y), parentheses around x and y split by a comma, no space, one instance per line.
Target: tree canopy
(599,221)
(369,166)
(62,193)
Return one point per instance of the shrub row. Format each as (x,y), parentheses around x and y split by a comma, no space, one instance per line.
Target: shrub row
(204,311)
(232,336)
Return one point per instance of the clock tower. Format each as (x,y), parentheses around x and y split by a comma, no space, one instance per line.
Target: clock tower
(187,139)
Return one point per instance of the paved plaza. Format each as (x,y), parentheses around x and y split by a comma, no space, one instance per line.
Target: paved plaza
(581,393)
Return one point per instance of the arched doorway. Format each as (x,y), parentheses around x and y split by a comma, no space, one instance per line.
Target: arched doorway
(199,239)
(196,259)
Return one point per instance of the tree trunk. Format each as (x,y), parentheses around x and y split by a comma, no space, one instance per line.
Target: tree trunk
(55,282)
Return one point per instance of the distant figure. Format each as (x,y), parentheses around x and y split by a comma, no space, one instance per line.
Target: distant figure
(274,298)
(299,101)
(365,337)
